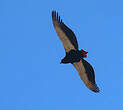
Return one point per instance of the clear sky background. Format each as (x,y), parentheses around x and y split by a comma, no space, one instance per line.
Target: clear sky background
(31,77)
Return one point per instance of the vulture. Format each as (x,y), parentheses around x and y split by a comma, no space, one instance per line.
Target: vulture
(73,54)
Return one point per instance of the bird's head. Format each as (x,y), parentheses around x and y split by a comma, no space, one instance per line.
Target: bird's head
(63,61)
(84,53)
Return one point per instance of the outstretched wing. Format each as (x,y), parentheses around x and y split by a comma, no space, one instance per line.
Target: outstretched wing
(66,35)
(86,73)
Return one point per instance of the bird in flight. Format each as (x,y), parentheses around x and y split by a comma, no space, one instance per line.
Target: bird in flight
(73,54)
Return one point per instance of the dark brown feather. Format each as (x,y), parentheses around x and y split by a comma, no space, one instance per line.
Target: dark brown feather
(70,35)
(86,73)
(89,70)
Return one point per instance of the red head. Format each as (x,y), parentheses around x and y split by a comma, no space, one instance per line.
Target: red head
(84,53)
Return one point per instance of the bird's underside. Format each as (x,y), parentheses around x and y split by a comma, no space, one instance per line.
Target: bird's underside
(73,55)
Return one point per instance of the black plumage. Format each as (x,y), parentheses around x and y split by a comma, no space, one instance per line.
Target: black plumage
(73,54)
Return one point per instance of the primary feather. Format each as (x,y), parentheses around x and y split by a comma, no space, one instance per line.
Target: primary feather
(65,34)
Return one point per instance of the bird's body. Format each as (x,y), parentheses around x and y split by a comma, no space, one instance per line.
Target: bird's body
(73,54)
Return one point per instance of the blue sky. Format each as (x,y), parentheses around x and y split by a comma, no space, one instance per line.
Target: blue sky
(31,77)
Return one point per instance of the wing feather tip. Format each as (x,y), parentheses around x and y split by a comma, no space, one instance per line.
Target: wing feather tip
(96,89)
(56,17)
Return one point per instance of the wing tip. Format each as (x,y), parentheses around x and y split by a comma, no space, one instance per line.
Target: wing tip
(56,17)
(96,89)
